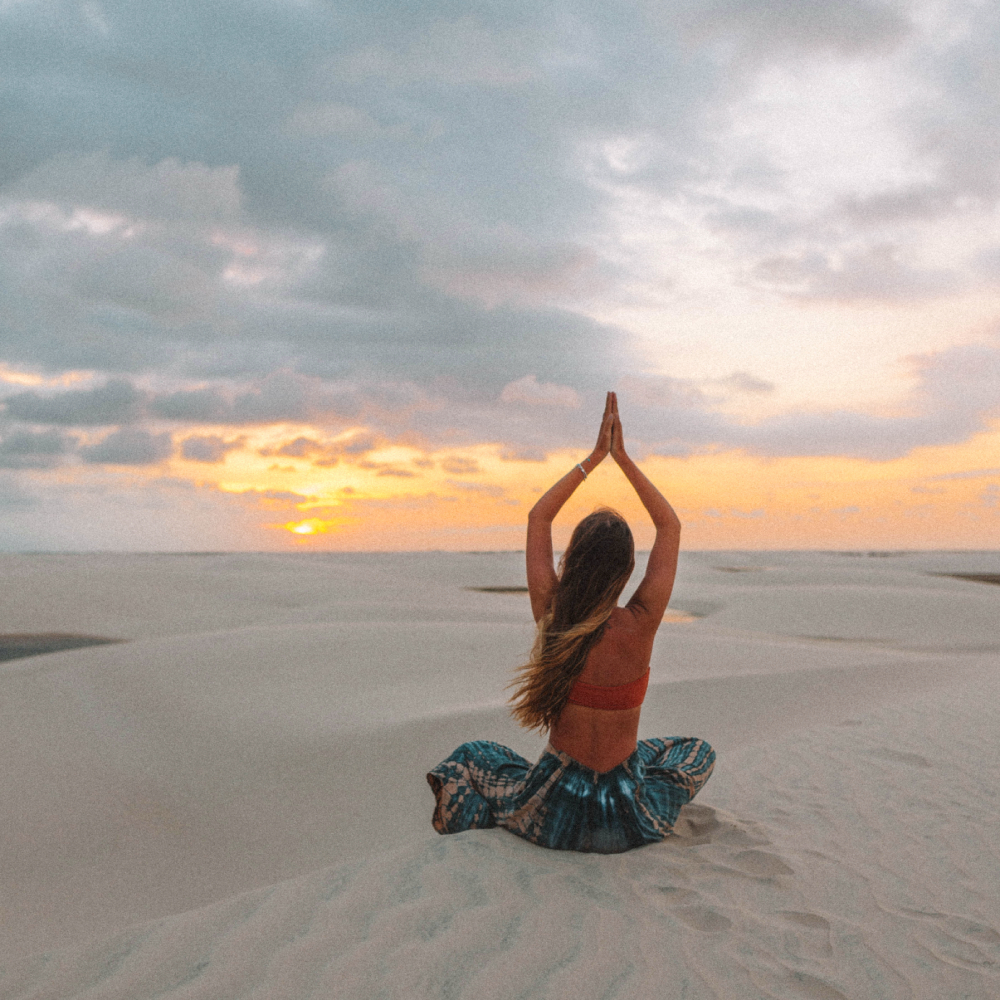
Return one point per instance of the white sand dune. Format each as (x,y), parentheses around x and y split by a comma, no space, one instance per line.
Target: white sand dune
(233,804)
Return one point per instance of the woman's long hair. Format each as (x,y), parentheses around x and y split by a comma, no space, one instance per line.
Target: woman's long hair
(592,574)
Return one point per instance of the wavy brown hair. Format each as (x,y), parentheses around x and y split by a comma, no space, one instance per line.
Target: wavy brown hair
(592,574)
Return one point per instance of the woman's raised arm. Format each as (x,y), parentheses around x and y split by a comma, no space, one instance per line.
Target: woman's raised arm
(653,594)
(539,559)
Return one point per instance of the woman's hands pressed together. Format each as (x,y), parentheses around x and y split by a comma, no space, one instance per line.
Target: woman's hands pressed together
(604,435)
(617,437)
(610,439)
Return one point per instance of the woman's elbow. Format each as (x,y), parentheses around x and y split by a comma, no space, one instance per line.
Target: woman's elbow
(669,524)
(668,520)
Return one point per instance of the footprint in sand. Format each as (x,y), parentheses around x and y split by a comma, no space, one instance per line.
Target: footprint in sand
(702,918)
(960,925)
(811,988)
(685,906)
(675,895)
(760,864)
(811,920)
(698,824)
(958,940)
(744,835)
(904,758)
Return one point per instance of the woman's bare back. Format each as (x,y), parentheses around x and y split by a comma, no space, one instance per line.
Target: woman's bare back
(598,738)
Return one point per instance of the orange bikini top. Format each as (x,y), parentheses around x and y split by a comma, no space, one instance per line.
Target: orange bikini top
(610,698)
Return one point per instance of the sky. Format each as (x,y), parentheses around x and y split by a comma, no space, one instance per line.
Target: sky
(297,275)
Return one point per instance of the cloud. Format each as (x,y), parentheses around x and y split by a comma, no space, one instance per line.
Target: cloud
(129,446)
(199,405)
(208,448)
(281,397)
(273,498)
(389,470)
(370,195)
(869,273)
(522,455)
(955,393)
(25,449)
(301,447)
(457,465)
(359,444)
(333,118)
(501,270)
(529,391)
(328,453)
(116,402)
(762,29)
(907,204)
(969,474)
(116,191)
(370,199)
(484,489)
(459,51)
(746,383)
(13,496)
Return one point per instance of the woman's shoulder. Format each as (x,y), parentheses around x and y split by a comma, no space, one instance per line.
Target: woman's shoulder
(626,624)
(621,656)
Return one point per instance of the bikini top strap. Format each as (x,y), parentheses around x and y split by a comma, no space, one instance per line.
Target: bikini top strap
(610,698)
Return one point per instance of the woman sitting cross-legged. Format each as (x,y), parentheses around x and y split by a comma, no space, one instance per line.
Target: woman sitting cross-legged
(596,787)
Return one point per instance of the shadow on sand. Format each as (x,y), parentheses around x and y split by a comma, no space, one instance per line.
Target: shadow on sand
(14,645)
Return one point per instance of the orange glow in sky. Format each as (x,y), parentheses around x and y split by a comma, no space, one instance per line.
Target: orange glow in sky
(471,498)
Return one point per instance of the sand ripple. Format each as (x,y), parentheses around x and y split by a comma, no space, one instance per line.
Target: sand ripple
(820,866)
(253,761)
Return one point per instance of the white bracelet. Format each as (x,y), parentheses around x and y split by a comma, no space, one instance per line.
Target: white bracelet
(582,469)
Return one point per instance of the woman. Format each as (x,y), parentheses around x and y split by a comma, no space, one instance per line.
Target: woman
(595,788)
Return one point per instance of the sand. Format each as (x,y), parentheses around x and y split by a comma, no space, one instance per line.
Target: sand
(232,803)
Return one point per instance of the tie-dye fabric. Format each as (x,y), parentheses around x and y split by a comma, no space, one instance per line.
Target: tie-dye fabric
(561,804)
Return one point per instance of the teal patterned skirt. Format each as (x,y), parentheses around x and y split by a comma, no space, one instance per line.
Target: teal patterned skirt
(559,803)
